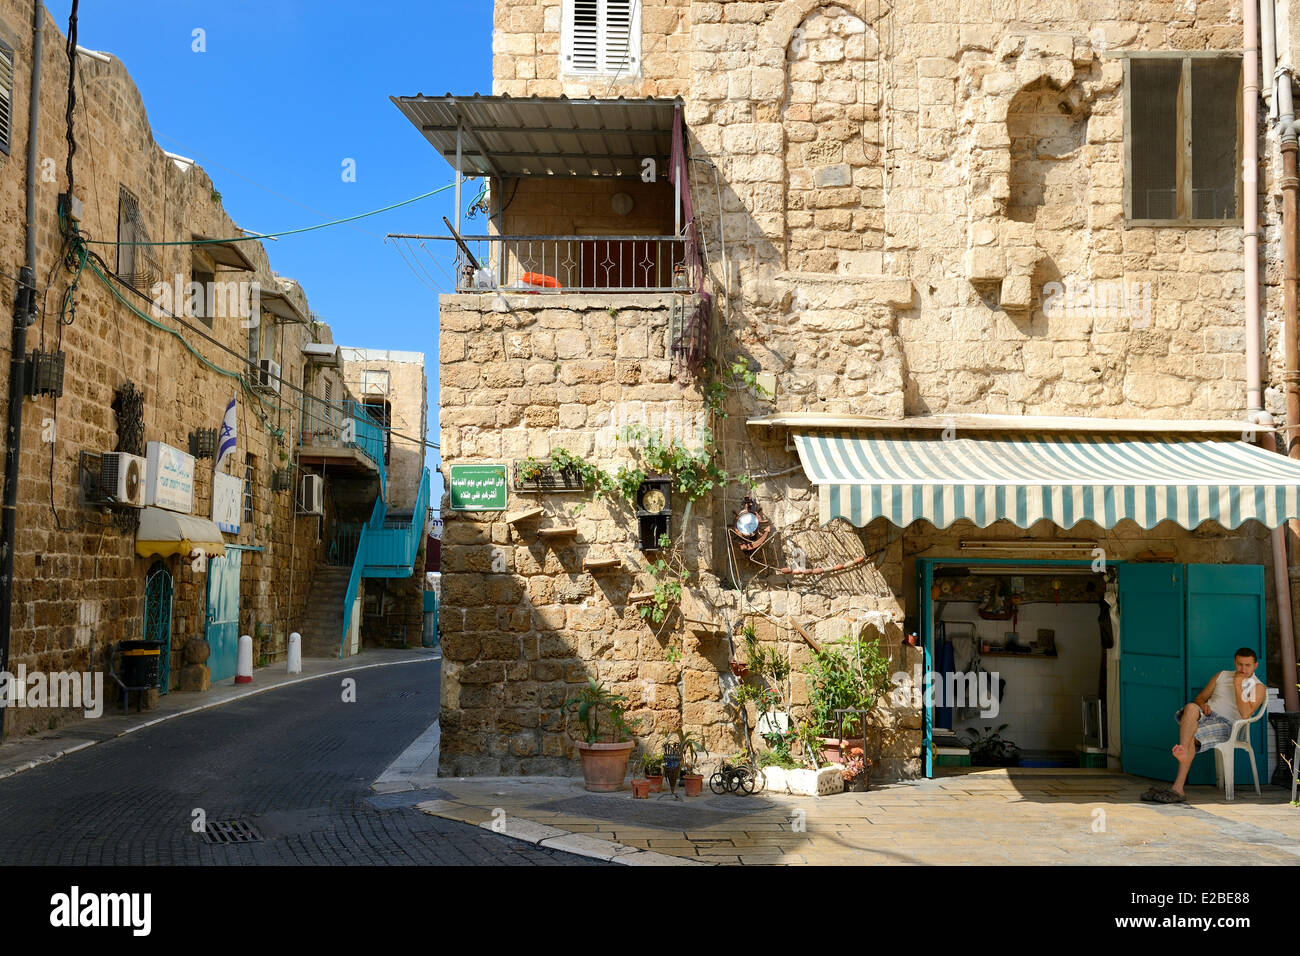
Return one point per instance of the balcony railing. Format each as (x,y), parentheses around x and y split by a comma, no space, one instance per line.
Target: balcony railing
(574,264)
(346,424)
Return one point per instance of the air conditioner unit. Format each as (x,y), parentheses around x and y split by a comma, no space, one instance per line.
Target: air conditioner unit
(267,378)
(311,495)
(121,479)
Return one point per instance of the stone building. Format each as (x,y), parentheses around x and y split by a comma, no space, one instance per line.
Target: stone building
(161,313)
(972,283)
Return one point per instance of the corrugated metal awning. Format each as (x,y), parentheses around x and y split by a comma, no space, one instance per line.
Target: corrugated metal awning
(1025,479)
(511,137)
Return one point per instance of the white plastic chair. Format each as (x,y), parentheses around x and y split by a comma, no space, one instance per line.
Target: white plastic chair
(1225,754)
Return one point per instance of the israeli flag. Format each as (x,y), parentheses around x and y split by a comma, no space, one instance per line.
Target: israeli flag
(226,444)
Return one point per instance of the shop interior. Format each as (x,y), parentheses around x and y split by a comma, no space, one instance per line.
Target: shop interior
(1036,638)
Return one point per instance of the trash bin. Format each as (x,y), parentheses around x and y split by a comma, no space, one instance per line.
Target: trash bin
(140,662)
(1286,728)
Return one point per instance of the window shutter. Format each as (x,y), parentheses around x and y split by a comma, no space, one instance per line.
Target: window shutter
(616,30)
(601,37)
(6,98)
(582,36)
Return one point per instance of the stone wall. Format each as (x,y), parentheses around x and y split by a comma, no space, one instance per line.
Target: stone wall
(921,207)
(78,579)
(408,407)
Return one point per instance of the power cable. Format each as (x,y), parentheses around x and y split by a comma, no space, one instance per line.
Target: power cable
(274,235)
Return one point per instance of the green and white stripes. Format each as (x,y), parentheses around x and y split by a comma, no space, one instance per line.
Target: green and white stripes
(1064,480)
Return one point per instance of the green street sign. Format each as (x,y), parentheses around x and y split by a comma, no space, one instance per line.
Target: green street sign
(478,487)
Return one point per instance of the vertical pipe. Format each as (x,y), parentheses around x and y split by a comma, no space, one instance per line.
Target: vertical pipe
(24,315)
(1250,198)
(1268,52)
(459,131)
(1288,539)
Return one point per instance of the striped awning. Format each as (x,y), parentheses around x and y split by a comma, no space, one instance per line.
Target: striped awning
(1065,480)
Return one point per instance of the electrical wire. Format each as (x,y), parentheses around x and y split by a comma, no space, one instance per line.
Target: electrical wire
(274,235)
(104,274)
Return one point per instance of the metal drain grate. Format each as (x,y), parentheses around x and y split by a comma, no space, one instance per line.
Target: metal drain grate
(233,831)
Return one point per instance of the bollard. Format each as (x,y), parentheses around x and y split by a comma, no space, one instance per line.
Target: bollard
(295,653)
(244,667)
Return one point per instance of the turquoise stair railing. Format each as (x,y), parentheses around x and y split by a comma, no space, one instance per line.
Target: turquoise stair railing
(385,552)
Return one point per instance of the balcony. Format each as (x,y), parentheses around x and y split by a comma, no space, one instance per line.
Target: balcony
(347,436)
(585,264)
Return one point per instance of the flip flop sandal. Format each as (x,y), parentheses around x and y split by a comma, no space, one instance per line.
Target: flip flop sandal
(1168,796)
(1149,794)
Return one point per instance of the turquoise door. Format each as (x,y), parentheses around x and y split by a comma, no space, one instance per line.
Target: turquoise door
(223,615)
(158,618)
(1225,611)
(1152,666)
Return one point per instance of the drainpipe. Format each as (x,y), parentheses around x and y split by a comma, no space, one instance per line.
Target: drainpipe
(1290,184)
(24,315)
(1250,197)
(1268,52)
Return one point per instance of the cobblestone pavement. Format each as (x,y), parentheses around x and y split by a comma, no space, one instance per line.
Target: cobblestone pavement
(296,763)
(992,817)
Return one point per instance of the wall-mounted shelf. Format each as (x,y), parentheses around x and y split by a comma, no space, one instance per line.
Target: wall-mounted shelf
(600,564)
(559,531)
(526,515)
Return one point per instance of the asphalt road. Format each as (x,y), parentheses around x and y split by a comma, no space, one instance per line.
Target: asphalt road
(294,763)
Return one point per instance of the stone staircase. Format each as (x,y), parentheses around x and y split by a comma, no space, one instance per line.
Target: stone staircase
(322,624)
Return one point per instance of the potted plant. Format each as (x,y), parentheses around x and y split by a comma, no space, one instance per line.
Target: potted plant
(692,750)
(988,748)
(857,770)
(652,766)
(603,714)
(851,674)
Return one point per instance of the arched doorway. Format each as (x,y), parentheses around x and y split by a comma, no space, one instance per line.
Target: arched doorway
(158,618)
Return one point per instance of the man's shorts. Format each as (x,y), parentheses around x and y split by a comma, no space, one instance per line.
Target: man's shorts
(1210,730)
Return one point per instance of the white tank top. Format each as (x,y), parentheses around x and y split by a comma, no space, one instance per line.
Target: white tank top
(1224,699)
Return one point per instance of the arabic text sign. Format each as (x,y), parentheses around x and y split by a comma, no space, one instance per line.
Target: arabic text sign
(478,487)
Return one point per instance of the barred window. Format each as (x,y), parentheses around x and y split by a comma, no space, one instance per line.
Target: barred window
(1182,139)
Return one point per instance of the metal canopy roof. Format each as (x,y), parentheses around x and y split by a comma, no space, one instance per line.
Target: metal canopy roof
(510,137)
(226,254)
(281,306)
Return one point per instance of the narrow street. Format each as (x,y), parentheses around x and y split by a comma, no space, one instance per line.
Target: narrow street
(295,763)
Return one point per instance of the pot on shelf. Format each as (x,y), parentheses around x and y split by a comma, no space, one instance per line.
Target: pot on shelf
(656,781)
(640,788)
(693,782)
(604,766)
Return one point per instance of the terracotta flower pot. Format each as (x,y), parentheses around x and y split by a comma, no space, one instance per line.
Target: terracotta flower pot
(604,766)
(833,747)
(739,668)
(641,788)
(656,781)
(692,782)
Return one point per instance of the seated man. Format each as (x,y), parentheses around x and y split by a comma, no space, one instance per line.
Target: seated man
(1229,696)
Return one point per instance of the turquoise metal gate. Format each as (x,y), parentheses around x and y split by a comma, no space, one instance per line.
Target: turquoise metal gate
(158,618)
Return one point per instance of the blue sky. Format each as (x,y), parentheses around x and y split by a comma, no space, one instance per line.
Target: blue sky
(284,93)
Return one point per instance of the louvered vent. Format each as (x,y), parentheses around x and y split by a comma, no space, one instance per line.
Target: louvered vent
(6,98)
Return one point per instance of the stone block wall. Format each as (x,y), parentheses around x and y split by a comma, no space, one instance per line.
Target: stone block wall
(919,210)
(77,577)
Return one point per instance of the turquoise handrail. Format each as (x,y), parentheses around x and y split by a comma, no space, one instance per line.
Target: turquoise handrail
(354,579)
(385,552)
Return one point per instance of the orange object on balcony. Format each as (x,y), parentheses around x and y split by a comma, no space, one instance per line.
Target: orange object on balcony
(538,279)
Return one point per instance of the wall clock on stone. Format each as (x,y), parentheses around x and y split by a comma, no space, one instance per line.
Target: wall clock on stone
(654,509)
